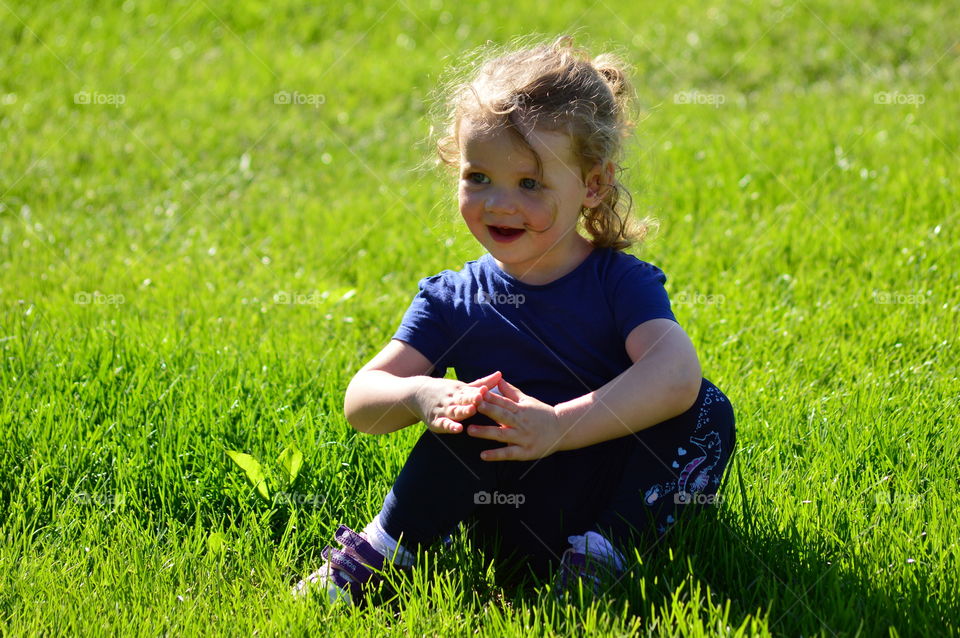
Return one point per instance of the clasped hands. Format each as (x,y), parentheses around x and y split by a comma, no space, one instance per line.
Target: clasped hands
(530,428)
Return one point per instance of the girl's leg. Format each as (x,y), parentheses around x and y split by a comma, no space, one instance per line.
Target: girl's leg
(440,485)
(672,468)
(436,489)
(540,503)
(617,487)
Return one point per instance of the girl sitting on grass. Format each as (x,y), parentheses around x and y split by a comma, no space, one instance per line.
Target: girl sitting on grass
(587,428)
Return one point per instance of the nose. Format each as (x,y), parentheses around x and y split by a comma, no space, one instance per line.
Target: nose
(500,203)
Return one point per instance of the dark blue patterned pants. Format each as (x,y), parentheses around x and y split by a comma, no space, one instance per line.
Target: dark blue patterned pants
(630,489)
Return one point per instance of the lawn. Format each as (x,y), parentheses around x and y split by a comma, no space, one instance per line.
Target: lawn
(212,214)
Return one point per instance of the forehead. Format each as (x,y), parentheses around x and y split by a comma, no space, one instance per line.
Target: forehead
(553,147)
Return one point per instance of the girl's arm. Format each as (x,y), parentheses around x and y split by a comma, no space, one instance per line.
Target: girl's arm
(663,382)
(393,391)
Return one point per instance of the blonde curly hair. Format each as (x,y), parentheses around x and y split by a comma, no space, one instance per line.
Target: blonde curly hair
(559,87)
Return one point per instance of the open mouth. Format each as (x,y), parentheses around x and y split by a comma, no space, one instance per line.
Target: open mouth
(505,233)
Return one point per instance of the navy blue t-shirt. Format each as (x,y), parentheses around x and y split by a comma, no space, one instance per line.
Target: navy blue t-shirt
(555,341)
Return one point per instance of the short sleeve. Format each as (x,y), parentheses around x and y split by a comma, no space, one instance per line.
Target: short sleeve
(424,325)
(639,296)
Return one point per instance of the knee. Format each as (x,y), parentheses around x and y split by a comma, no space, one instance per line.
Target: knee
(713,405)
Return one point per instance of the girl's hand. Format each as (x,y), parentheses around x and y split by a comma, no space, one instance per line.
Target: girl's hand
(441,403)
(530,427)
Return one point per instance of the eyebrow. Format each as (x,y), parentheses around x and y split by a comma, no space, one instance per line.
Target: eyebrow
(476,166)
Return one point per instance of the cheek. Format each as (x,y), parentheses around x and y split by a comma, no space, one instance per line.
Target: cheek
(469,202)
(543,211)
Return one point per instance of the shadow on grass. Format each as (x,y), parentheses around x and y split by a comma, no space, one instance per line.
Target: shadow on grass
(790,585)
(767,574)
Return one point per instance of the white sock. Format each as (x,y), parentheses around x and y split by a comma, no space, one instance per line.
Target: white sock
(386,544)
(595,545)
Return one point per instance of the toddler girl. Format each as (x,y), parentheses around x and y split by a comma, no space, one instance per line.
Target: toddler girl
(582,426)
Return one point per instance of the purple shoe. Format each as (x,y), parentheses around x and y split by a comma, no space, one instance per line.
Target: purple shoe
(576,566)
(346,573)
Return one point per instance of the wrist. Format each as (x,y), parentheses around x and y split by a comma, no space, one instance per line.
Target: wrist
(414,400)
(571,416)
(566,424)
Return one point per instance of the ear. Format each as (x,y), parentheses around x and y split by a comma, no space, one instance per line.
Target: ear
(598,181)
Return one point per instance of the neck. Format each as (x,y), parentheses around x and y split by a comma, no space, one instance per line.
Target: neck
(548,268)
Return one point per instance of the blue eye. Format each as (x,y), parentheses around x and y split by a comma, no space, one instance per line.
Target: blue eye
(478,178)
(528,183)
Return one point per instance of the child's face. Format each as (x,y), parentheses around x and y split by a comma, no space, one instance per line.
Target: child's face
(527,221)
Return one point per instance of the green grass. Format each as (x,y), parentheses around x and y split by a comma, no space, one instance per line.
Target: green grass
(809,234)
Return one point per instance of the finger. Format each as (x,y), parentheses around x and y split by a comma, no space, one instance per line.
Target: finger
(443,425)
(498,414)
(501,401)
(481,392)
(490,380)
(510,391)
(460,412)
(506,453)
(475,395)
(467,396)
(488,389)
(491,433)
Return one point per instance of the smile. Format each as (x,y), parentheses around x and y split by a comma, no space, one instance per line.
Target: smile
(505,234)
